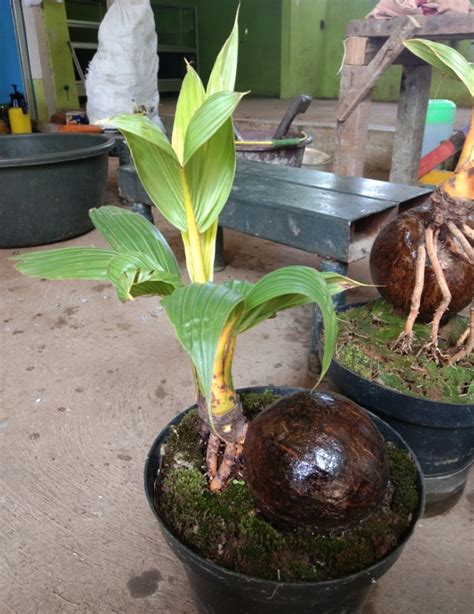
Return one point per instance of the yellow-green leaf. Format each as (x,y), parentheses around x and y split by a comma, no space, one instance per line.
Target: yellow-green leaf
(199,313)
(191,97)
(66,263)
(126,231)
(447,59)
(210,174)
(136,274)
(225,67)
(157,165)
(207,120)
(289,287)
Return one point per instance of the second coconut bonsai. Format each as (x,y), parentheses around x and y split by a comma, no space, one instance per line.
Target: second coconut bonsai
(410,359)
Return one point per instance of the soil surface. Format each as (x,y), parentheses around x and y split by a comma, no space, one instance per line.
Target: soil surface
(365,336)
(227,528)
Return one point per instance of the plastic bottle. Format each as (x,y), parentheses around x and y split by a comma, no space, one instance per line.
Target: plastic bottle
(20,122)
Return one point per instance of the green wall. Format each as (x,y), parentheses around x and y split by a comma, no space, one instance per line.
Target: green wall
(260,27)
(64,81)
(303,23)
(287,47)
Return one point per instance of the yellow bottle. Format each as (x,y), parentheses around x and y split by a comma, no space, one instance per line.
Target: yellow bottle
(20,122)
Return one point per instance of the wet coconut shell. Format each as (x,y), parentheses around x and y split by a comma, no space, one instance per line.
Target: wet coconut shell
(393,263)
(316,460)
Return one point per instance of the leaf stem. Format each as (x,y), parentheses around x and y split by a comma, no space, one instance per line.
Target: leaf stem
(194,257)
(223,395)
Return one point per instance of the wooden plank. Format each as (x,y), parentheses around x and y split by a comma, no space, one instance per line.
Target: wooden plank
(384,58)
(449,26)
(352,134)
(356,51)
(404,58)
(410,126)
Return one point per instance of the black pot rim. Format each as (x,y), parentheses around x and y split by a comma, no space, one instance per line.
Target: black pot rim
(99,144)
(425,408)
(201,561)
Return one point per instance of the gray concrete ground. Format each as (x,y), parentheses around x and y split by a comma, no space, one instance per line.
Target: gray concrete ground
(87,383)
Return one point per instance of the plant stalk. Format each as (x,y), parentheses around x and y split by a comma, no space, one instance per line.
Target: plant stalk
(192,238)
(223,395)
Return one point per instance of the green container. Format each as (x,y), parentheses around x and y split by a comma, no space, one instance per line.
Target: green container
(440,119)
(441,112)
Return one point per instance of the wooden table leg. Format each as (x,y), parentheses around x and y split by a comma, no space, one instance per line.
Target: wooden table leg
(352,134)
(410,127)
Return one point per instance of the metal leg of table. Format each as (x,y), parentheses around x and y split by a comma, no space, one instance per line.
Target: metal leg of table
(334,266)
(144,210)
(219,263)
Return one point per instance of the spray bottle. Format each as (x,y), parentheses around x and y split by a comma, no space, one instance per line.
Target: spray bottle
(20,122)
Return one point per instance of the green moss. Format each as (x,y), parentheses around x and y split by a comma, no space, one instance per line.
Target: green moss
(227,528)
(364,346)
(183,446)
(403,473)
(254,402)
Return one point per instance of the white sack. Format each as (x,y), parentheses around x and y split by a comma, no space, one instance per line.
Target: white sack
(123,74)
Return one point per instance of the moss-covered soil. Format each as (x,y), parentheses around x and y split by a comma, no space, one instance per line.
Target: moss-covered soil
(365,336)
(227,528)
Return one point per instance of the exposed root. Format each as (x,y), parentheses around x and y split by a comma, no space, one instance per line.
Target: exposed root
(468,231)
(432,351)
(456,249)
(224,443)
(462,240)
(228,463)
(466,341)
(212,453)
(462,339)
(431,239)
(404,342)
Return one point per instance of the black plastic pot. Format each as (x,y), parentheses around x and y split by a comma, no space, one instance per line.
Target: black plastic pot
(289,155)
(48,184)
(440,434)
(221,591)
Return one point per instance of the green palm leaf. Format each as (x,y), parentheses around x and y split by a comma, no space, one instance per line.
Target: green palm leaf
(210,174)
(67,263)
(289,287)
(199,313)
(339,283)
(157,166)
(126,231)
(208,119)
(225,67)
(241,287)
(136,274)
(447,59)
(190,180)
(191,97)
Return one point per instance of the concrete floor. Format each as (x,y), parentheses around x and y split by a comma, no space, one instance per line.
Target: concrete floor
(87,383)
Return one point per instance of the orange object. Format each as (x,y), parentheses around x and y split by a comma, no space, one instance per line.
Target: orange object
(83,128)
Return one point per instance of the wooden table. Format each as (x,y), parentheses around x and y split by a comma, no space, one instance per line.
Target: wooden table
(372,46)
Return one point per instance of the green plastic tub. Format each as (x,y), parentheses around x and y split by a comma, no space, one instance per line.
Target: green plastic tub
(439,124)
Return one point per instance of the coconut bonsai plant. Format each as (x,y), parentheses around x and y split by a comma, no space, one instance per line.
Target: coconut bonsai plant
(423,263)
(334,469)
